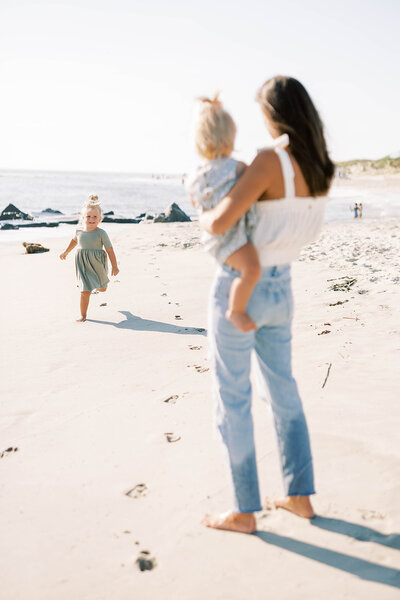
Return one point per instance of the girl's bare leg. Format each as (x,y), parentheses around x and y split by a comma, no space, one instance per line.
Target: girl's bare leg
(85,297)
(247,262)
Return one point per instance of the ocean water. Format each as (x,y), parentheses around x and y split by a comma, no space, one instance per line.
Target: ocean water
(126,194)
(129,194)
(376,204)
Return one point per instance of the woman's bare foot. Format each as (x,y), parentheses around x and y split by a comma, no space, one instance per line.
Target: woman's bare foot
(230,521)
(240,320)
(81,320)
(299,505)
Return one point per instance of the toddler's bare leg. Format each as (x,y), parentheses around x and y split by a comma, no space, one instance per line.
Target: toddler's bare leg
(247,262)
(85,297)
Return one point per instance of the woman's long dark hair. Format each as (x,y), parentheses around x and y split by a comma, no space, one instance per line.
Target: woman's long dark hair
(287,105)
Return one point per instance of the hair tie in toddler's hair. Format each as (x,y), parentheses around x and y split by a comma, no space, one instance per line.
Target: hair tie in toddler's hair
(215,101)
(93,201)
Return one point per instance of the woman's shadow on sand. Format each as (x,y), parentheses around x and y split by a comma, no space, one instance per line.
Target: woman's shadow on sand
(138,324)
(364,569)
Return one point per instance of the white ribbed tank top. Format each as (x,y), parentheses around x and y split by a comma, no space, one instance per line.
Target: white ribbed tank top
(287,224)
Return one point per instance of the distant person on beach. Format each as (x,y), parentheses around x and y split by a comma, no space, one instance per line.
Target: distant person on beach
(288,188)
(215,140)
(360,210)
(355,209)
(91,260)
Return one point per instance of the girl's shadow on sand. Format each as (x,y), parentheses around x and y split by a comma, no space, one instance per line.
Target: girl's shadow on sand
(138,324)
(363,569)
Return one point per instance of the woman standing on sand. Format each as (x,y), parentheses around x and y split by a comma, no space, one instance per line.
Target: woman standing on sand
(288,188)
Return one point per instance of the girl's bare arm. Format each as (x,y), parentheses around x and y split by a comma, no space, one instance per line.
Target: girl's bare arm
(71,246)
(113,260)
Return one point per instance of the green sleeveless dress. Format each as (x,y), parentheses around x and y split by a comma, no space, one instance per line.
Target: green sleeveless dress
(90,260)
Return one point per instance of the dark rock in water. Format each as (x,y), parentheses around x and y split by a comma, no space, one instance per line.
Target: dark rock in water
(5,226)
(173,214)
(51,211)
(119,220)
(70,222)
(145,217)
(34,248)
(110,212)
(11,213)
(39,224)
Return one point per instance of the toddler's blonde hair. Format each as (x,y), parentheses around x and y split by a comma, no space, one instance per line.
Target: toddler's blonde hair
(215,129)
(92,202)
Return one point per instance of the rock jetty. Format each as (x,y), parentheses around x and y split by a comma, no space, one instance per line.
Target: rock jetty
(11,213)
(173,214)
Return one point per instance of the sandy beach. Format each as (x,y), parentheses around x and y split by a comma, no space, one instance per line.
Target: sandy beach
(92,480)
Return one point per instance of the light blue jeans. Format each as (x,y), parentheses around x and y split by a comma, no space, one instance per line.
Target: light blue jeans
(271,307)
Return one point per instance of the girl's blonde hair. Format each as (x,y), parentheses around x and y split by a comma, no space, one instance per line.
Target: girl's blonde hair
(92,202)
(215,129)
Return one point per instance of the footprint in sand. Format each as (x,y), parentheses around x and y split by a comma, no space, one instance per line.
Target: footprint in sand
(138,491)
(163,294)
(367,515)
(172,437)
(199,368)
(8,451)
(264,514)
(171,399)
(104,304)
(145,561)
(178,318)
(195,347)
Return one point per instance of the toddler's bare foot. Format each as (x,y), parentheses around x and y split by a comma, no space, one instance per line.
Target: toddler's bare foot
(230,521)
(81,320)
(240,320)
(299,505)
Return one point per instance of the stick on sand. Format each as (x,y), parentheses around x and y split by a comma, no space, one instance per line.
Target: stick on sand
(327,375)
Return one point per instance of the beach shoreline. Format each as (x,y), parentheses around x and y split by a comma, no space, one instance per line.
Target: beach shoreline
(380,194)
(89,406)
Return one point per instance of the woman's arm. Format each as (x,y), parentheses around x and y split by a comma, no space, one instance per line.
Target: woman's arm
(113,260)
(250,187)
(71,246)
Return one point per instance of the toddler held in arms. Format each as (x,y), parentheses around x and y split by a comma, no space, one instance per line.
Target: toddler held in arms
(215,138)
(90,259)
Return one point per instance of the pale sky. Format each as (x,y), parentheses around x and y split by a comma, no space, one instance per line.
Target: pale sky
(109,85)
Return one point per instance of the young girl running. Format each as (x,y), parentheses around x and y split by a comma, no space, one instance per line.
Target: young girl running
(215,137)
(90,259)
